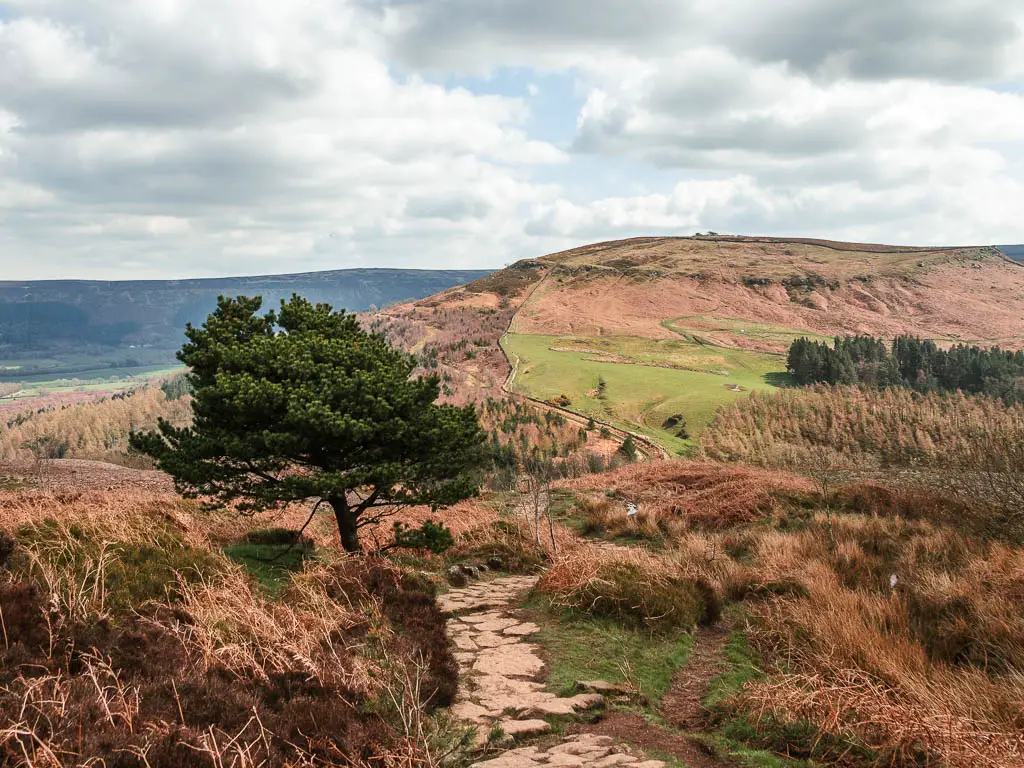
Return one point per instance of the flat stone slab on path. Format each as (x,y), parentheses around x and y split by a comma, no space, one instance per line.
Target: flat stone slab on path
(589,750)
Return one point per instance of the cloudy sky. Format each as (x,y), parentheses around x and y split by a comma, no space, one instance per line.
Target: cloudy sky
(167,138)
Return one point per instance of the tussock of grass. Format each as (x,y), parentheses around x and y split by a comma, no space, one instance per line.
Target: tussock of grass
(91,575)
(633,588)
(508,540)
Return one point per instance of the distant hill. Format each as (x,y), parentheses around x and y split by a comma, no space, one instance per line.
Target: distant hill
(652,335)
(1015,252)
(77,328)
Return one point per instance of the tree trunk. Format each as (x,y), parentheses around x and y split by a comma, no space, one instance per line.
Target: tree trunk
(346,519)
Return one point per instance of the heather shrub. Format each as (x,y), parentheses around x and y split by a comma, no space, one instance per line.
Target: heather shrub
(408,603)
(334,675)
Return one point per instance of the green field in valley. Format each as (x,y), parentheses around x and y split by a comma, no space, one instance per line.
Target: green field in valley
(647,382)
(114,380)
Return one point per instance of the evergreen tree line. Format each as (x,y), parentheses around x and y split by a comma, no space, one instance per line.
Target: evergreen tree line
(909,362)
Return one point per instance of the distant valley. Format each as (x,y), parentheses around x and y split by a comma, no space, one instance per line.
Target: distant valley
(1015,252)
(98,329)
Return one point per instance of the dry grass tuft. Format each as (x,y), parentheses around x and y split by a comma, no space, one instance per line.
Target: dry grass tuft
(125,637)
(929,669)
(631,586)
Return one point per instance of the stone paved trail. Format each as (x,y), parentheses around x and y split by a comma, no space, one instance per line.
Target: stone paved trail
(500,669)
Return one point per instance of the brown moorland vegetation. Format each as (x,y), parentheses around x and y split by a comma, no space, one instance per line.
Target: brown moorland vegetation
(126,640)
(674,496)
(866,427)
(903,637)
(885,640)
(633,287)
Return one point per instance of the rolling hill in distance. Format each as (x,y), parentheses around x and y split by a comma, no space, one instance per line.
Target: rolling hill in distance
(84,328)
(653,335)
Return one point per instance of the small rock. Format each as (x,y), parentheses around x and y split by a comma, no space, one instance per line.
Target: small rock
(522,630)
(495,563)
(601,686)
(456,577)
(471,571)
(516,728)
(559,706)
(472,712)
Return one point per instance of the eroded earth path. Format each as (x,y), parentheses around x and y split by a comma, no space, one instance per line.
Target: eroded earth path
(501,687)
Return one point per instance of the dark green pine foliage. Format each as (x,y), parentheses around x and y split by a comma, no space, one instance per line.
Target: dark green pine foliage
(303,404)
(909,362)
(628,449)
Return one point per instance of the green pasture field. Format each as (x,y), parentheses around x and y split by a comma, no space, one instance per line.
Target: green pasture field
(640,397)
(101,380)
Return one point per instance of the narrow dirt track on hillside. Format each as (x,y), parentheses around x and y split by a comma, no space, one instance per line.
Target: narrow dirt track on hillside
(683,704)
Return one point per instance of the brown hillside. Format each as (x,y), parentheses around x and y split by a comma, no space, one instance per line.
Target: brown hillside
(713,286)
(750,292)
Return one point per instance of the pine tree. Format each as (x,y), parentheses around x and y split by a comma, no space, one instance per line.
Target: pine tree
(303,404)
(628,449)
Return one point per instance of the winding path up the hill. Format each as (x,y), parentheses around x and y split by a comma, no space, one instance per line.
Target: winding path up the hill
(500,686)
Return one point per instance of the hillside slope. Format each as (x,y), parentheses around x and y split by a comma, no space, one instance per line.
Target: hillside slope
(715,288)
(68,326)
(655,334)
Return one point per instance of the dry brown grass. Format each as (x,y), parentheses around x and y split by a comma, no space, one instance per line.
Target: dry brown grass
(140,517)
(674,496)
(932,667)
(207,673)
(900,636)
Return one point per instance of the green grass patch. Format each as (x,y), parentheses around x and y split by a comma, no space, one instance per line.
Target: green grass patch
(744,666)
(639,396)
(578,647)
(735,735)
(272,565)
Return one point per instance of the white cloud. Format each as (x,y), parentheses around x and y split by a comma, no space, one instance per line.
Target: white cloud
(166,137)
(230,137)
